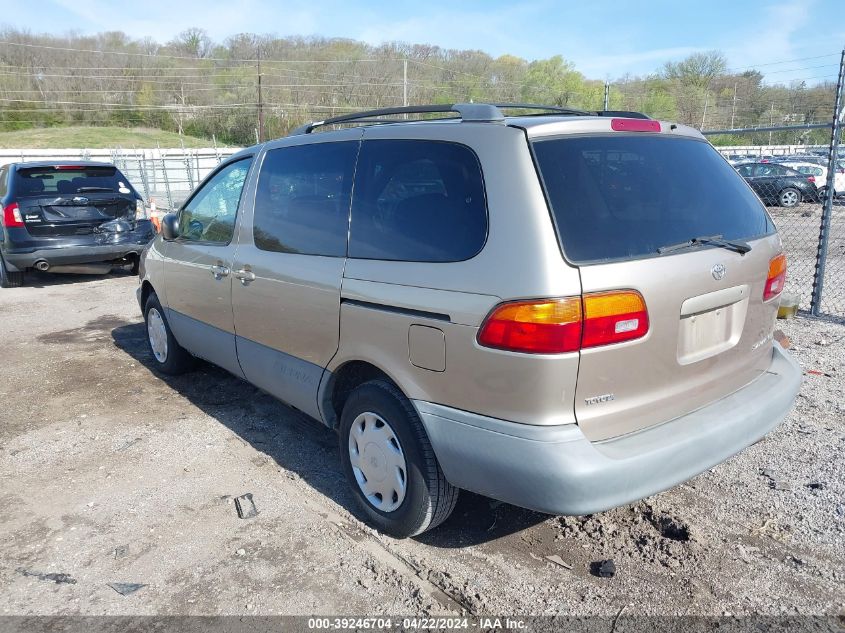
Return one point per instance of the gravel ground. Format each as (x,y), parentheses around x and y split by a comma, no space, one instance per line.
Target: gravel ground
(110,473)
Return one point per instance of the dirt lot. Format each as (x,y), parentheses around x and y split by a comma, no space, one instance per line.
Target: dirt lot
(110,473)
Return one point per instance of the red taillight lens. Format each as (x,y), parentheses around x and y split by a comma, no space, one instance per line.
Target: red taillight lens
(547,326)
(634,125)
(811,179)
(555,326)
(776,277)
(80,167)
(613,317)
(12,216)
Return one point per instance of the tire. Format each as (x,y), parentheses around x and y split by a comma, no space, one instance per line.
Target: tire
(789,197)
(9,279)
(135,266)
(168,356)
(822,193)
(428,498)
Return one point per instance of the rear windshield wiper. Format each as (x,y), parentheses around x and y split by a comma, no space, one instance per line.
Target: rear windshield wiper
(710,240)
(91,189)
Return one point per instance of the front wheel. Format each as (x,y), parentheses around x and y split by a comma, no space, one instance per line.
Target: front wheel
(9,279)
(168,356)
(390,464)
(789,197)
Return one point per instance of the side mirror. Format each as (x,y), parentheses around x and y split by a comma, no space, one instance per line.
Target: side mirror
(170,226)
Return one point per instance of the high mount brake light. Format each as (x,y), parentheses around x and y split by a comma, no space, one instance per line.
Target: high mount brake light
(775,278)
(556,326)
(12,216)
(634,125)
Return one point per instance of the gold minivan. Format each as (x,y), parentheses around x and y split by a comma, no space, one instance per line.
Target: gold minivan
(563,310)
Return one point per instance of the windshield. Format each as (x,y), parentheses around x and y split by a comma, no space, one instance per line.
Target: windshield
(35,181)
(625,196)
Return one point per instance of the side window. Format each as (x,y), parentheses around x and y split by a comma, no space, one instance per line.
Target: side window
(302,201)
(210,214)
(4,176)
(418,201)
(744,170)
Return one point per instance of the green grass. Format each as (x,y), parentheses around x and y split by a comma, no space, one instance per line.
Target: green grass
(96,138)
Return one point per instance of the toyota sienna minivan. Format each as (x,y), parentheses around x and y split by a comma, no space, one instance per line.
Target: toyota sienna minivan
(567,311)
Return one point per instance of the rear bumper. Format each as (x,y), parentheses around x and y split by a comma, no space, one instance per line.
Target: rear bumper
(559,471)
(94,248)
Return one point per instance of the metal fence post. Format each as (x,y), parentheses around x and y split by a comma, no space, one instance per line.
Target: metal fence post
(166,180)
(827,209)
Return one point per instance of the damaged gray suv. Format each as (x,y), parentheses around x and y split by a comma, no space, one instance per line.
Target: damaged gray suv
(563,310)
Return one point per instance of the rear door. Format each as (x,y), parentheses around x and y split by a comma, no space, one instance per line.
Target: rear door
(66,200)
(617,200)
(288,269)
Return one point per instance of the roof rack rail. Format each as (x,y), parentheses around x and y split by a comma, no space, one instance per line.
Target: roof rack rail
(478,112)
(467,111)
(546,108)
(626,114)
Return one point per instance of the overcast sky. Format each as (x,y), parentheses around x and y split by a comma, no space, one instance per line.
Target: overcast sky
(603,39)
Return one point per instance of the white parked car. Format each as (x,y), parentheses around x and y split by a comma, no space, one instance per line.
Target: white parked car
(819,173)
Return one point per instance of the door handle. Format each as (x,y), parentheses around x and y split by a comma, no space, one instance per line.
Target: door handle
(245,275)
(219,271)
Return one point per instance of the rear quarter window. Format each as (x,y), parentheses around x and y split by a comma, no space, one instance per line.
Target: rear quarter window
(419,201)
(624,196)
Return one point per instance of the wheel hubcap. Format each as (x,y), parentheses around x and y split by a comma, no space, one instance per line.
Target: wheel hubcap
(157,333)
(790,198)
(378,462)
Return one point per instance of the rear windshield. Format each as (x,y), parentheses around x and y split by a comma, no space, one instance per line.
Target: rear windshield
(33,181)
(625,196)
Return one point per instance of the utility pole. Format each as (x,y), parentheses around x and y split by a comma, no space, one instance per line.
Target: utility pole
(606,95)
(405,82)
(733,110)
(827,208)
(260,102)
(771,121)
(704,116)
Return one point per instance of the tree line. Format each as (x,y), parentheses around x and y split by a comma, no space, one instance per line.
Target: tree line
(196,86)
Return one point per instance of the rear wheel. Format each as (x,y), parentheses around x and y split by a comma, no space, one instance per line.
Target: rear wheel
(8,278)
(822,194)
(389,462)
(789,197)
(168,356)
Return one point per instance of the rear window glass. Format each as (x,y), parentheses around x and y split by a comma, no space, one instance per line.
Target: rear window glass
(417,201)
(625,196)
(59,180)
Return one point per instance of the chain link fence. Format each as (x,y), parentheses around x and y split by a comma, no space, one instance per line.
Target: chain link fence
(164,177)
(793,185)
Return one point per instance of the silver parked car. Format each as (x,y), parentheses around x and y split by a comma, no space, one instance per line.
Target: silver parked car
(563,310)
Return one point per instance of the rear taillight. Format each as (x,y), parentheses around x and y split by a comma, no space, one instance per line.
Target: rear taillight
(12,216)
(776,277)
(811,179)
(548,326)
(555,326)
(613,317)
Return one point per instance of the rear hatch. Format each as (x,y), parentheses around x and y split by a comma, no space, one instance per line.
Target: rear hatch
(72,199)
(618,201)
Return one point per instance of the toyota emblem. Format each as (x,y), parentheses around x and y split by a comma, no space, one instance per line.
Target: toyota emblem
(718,271)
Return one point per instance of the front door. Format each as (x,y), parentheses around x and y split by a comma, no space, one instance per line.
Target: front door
(288,269)
(198,268)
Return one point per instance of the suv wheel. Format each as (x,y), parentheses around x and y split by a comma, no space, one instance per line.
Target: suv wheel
(789,197)
(168,356)
(390,464)
(9,279)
